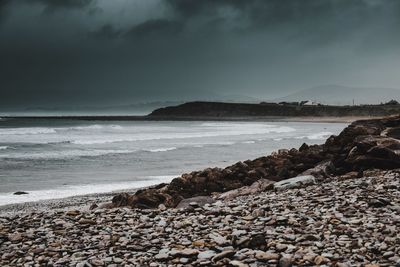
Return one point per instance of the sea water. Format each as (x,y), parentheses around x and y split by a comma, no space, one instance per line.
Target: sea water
(60,158)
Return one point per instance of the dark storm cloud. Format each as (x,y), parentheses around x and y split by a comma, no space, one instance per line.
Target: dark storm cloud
(106,32)
(57,4)
(160,28)
(53,53)
(329,19)
(3,9)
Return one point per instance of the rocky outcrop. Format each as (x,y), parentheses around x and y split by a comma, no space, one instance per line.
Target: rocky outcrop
(201,109)
(361,146)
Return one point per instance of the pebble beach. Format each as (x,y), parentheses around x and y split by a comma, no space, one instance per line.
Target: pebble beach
(343,222)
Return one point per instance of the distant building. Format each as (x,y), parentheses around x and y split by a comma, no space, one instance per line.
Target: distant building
(309,103)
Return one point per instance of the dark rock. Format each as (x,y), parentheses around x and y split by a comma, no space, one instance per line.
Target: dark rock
(200,201)
(93,206)
(20,193)
(285,262)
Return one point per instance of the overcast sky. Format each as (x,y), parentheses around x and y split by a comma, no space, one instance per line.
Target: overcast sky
(107,52)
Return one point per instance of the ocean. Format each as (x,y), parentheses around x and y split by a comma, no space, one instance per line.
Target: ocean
(61,158)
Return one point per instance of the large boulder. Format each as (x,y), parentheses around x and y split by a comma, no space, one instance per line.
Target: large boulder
(257,187)
(295,182)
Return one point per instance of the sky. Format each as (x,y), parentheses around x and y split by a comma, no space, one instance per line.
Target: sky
(102,52)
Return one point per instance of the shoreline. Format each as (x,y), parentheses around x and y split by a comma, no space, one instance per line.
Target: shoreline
(315,119)
(78,202)
(292,208)
(82,201)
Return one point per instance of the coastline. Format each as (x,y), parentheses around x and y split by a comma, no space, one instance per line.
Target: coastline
(291,208)
(76,202)
(316,119)
(83,201)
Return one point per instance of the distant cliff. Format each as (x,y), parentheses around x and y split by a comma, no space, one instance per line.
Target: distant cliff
(218,109)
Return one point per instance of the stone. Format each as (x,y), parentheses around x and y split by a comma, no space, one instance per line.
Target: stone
(281,247)
(195,201)
(318,260)
(266,256)
(87,221)
(15,237)
(161,256)
(187,252)
(285,262)
(224,254)
(295,182)
(93,206)
(20,193)
(73,213)
(236,263)
(220,240)
(205,255)
(258,186)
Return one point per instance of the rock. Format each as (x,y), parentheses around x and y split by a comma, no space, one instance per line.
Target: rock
(195,201)
(21,193)
(255,241)
(15,237)
(321,171)
(281,247)
(93,206)
(97,262)
(266,256)
(161,256)
(73,213)
(188,252)
(285,262)
(238,264)
(87,221)
(224,254)
(320,260)
(295,182)
(258,186)
(205,255)
(220,240)
(184,260)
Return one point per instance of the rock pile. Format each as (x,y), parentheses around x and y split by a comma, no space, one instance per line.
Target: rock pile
(361,146)
(344,222)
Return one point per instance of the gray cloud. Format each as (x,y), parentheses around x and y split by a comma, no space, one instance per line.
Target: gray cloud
(63,4)
(136,50)
(160,28)
(106,32)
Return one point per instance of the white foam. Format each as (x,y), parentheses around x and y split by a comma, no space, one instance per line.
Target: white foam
(65,154)
(26,131)
(3,147)
(106,134)
(77,190)
(161,149)
(249,142)
(94,127)
(316,136)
